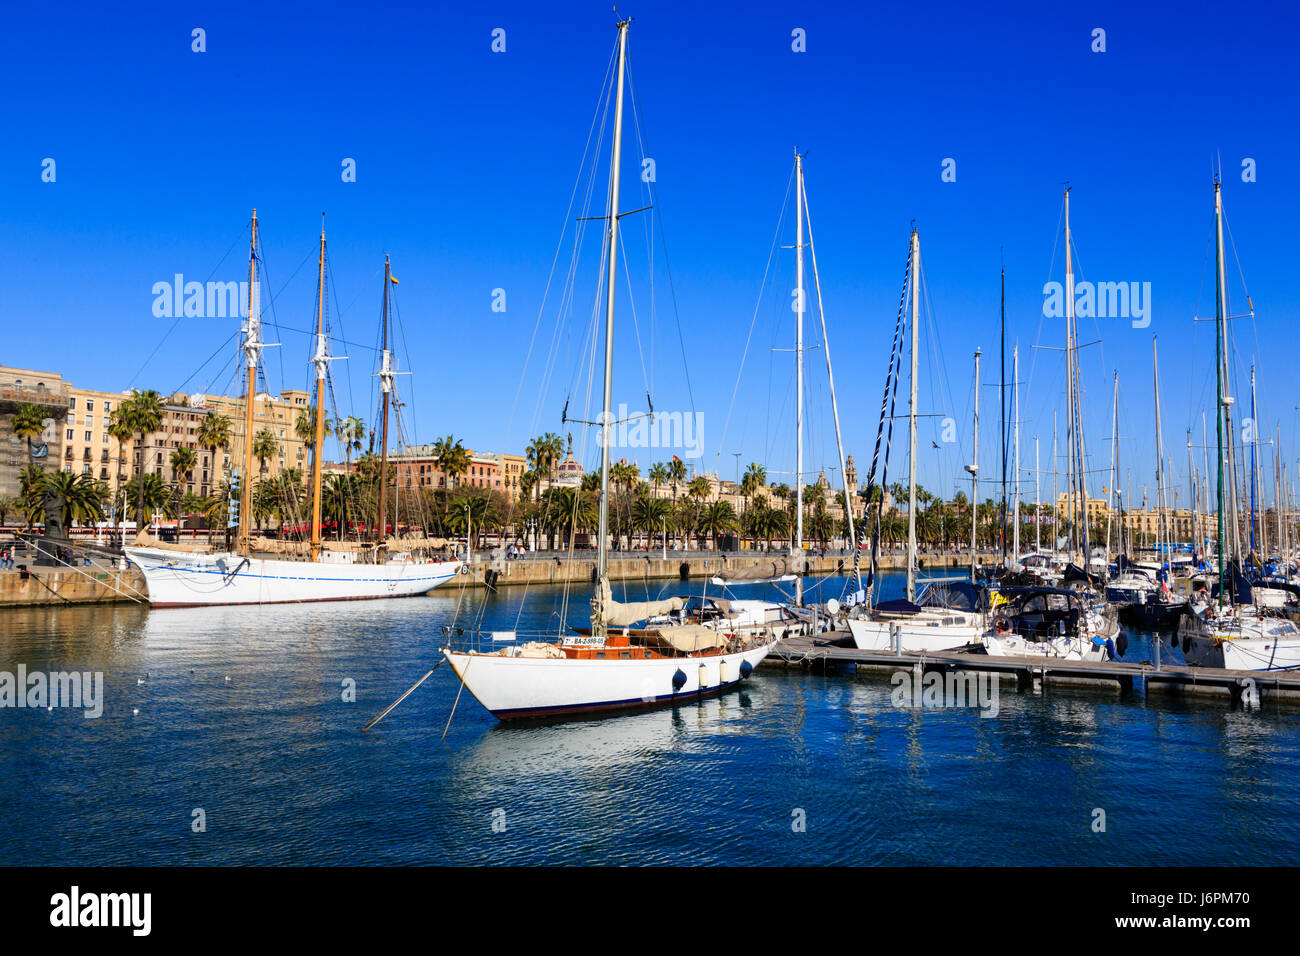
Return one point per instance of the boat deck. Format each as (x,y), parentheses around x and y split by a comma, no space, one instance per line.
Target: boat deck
(1037,673)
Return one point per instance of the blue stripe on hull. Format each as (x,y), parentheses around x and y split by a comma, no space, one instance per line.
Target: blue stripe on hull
(574,710)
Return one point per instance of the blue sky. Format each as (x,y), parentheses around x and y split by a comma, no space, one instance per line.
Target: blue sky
(466,160)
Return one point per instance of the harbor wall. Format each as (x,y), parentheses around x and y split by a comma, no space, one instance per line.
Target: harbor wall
(98,585)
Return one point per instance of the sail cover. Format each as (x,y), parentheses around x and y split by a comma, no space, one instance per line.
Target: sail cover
(686,638)
(772,569)
(618,614)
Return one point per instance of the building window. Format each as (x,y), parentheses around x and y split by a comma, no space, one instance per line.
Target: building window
(90,404)
(87,436)
(69,434)
(72,402)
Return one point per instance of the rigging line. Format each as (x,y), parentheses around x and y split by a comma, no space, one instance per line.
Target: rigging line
(1051,267)
(668,268)
(642,140)
(636,328)
(131,382)
(206,361)
(550,277)
(771,254)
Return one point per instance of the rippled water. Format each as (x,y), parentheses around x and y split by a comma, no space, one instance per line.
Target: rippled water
(241,714)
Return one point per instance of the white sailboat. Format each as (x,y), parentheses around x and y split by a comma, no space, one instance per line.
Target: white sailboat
(905,625)
(612,667)
(183,578)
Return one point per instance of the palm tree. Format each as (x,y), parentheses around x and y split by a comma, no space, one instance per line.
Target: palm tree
(717,518)
(676,473)
(82,496)
(658,475)
(120,430)
(183,462)
(304,428)
(349,432)
(651,515)
(144,411)
(29,490)
(9,504)
(28,422)
(755,479)
(543,452)
(151,495)
(264,446)
(452,458)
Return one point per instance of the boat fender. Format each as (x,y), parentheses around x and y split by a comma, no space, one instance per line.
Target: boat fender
(679,680)
(1187,643)
(722,672)
(1121,644)
(746,668)
(1110,650)
(704,678)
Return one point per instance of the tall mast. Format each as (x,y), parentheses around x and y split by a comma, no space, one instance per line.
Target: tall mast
(1002,405)
(1277,480)
(1161,511)
(911,427)
(386,386)
(798,364)
(321,362)
(1038,508)
(1015,420)
(1069,377)
(1191,487)
(252,352)
(602,552)
(835,408)
(974,469)
(1221,333)
(1114,450)
(1256,544)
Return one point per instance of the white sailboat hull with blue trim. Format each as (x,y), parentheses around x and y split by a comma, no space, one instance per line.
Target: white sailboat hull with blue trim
(520,687)
(176,579)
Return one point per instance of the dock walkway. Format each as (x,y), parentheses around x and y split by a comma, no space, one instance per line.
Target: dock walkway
(1036,674)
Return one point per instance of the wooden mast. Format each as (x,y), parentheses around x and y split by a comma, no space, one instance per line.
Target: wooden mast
(321,362)
(252,349)
(386,386)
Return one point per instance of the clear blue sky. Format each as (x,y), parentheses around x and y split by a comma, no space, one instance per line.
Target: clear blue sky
(466,159)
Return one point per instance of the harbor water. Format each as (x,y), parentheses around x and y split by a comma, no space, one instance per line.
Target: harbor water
(230,736)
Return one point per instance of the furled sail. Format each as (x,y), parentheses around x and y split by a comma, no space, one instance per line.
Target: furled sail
(774,569)
(625,615)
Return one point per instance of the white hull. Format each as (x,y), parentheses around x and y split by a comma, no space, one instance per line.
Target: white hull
(1247,642)
(916,635)
(516,687)
(1056,648)
(177,579)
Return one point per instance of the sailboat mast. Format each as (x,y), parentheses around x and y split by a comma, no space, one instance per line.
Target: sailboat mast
(1114,450)
(835,407)
(974,470)
(911,426)
(1221,331)
(602,552)
(1161,530)
(1002,407)
(1015,422)
(386,386)
(321,362)
(252,351)
(798,364)
(1255,543)
(1069,377)
(1038,508)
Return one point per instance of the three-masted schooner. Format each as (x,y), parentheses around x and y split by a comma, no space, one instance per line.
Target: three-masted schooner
(177,578)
